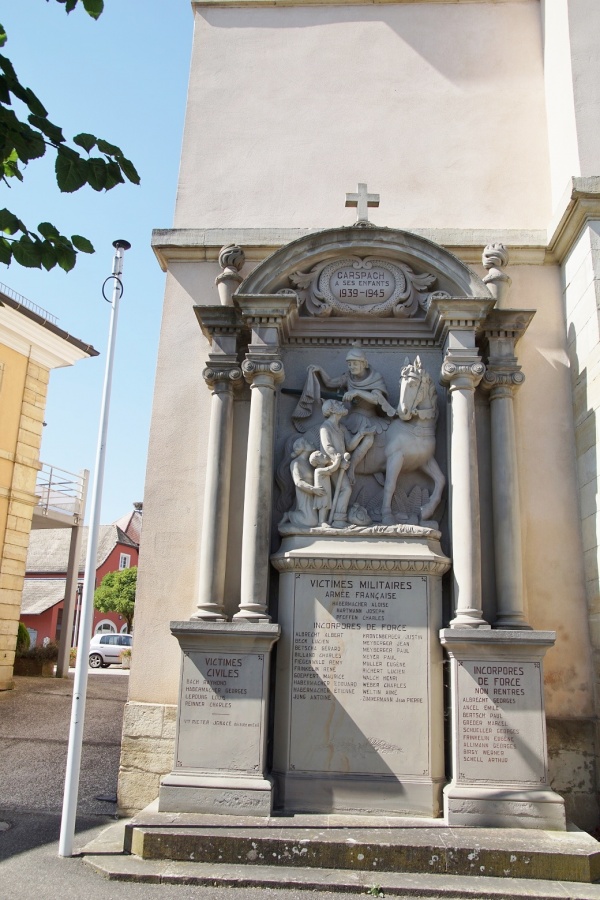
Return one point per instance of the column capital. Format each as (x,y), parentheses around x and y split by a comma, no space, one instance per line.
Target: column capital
(268,372)
(221,375)
(462,374)
(502,381)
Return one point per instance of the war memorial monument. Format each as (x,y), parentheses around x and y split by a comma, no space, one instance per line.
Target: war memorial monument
(368,589)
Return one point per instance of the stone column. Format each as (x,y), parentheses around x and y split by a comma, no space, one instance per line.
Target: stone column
(461,381)
(503,376)
(263,370)
(459,320)
(222,375)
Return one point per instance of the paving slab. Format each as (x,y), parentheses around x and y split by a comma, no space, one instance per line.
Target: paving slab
(134,869)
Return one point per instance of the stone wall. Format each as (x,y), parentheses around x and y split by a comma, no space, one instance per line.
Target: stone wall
(147,752)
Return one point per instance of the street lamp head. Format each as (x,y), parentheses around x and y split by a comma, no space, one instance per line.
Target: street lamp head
(121,245)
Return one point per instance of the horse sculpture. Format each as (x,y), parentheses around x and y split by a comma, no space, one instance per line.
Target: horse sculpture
(409,441)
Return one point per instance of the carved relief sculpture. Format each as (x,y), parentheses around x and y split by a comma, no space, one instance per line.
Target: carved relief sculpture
(375,439)
(304,514)
(410,440)
(337,443)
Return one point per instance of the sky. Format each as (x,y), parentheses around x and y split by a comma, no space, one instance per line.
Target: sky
(122,78)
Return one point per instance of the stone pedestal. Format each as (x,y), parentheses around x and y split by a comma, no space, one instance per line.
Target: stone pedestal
(358,705)
(499,752)
(220,749)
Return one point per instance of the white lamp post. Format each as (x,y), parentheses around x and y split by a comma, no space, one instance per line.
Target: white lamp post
(69,810)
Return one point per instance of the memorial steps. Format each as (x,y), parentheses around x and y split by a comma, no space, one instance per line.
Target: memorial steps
(410,857)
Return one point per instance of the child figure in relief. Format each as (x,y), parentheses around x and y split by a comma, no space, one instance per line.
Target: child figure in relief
(304,515)
(324,469)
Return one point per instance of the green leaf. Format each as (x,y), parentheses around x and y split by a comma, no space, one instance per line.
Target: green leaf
(93,8)
(87,141)
(3,36)
(96,173)
(129,169)
(10,166)
(8,68)
(65,256)
(47,230)
(109,149)
(46,127)
(69,5)
(27,143)
(5,252)
(71,171)
(113,175)
(35,105)
(48,256)
(9,223)
(28,253)
(4,91)
(82,244)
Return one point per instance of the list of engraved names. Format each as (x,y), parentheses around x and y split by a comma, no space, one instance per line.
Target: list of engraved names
(359,674)
(497,738)
(220,703)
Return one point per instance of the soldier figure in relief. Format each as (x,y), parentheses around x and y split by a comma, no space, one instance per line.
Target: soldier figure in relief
(366,390)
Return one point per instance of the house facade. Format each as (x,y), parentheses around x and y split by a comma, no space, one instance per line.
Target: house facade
(46,576)
(31,345)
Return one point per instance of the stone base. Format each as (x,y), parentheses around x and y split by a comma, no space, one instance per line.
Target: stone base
(499,749)
(319,847)
(218,795)
(489,808)
(352,794)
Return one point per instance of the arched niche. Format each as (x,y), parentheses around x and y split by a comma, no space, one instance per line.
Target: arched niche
(277,273)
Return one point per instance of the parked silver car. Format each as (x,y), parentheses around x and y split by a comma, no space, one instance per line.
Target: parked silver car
(106,649)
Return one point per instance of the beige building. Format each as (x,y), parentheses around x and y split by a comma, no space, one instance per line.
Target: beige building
(31,345)
(476,122)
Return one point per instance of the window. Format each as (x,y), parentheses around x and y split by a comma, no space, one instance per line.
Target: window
(124,561)
(105,626)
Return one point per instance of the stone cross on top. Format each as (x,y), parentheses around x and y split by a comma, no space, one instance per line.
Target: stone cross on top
(362,200)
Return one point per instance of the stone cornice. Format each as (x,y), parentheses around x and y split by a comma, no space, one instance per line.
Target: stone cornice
(458,314)
(579,204)
(177,245)
(222,320)
(512,323)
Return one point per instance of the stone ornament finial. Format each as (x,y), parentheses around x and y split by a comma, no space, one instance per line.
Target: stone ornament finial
(495,259)
(231,260)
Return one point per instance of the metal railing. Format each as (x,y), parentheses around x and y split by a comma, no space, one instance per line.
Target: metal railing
(59,491)
(8,291)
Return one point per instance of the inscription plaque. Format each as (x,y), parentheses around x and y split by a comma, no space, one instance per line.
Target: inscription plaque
(360,675)
(498,738)
(362,284)
(220,723)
